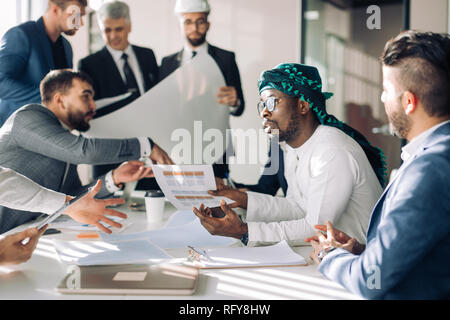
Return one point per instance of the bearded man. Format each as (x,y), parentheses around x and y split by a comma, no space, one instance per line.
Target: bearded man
(36,141)
(332,171)
(408,245)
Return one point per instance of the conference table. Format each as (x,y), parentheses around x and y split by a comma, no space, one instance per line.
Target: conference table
(37,278)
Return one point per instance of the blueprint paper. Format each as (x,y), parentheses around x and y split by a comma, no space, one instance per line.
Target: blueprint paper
(180,114)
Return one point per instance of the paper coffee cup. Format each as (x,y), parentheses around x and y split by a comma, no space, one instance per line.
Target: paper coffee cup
(154,205)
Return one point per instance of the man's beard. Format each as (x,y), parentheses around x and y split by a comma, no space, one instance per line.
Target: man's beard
(399,124)
(78,122)
(292,131)
(197,42)
(70,32)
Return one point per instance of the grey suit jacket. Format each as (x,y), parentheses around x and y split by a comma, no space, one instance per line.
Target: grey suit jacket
(34,143)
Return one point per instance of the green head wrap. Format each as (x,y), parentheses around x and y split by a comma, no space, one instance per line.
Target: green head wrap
(304,82)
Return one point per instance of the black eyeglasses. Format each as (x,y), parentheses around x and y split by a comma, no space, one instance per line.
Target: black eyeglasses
(270,104)
(200,23)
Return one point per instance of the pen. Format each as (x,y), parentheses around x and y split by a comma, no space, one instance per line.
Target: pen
(200,252)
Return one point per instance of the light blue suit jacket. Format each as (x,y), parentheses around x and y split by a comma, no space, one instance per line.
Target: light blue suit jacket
(408,239)
(25,59)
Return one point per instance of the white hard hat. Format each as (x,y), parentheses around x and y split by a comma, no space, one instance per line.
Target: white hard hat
(187,6)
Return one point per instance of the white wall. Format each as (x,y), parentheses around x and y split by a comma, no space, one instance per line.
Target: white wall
(422,11)
(262,33)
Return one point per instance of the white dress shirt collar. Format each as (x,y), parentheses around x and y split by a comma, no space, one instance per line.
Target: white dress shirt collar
(117,54)
(415,144)
(187,52)
(203,48)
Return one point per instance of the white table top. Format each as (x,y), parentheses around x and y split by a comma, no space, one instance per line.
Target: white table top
(38,278)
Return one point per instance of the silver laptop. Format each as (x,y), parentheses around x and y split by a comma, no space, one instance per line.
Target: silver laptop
(162,279)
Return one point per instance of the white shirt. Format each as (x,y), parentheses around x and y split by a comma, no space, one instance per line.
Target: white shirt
(411,148)
(132,61)
(20,193)
(187,53)
(329,179)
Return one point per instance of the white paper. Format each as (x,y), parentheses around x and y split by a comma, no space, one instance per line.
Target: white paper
(180,114)
(187,186)
(101,103)
(180,218)
(191,234)
(277,255)
(87,253)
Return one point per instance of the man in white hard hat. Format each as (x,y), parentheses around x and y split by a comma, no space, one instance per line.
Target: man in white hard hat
(193,17)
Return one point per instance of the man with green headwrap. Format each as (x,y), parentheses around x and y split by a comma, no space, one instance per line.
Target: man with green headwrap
(333,172)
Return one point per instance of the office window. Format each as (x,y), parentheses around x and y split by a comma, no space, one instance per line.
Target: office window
(338,41)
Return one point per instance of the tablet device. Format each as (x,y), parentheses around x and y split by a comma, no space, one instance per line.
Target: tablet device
(157,279)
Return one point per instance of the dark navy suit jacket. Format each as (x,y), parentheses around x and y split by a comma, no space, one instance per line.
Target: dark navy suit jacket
(408,239)
(108,82)
(25,59)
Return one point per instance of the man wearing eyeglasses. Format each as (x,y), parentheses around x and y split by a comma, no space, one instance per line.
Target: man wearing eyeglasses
(193,17)
(333,172)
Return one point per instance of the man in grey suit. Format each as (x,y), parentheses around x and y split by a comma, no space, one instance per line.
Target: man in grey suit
(36,141)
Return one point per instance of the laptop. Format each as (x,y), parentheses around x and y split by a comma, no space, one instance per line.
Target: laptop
(161,279)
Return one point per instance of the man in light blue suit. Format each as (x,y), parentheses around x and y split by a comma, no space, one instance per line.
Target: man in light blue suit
(407,255)
(30,50)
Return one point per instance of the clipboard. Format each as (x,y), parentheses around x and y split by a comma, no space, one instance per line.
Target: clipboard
(278,255)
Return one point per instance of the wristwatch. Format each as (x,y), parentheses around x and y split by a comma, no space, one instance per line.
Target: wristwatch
(244,239)
(323,253)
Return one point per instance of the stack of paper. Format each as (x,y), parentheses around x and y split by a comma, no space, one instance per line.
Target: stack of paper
(271,256)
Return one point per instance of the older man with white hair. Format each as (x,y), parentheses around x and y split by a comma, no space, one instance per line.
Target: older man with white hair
(119,67)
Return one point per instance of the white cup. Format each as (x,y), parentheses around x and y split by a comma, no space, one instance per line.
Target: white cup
(154,205)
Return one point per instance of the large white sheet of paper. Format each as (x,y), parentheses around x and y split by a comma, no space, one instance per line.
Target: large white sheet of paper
(88,253)
(181,236)
(187,186)
(180,218)
(180,114)
(108,101)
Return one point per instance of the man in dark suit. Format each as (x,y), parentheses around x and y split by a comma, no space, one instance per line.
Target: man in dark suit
(29,51)
(194,23)
(119,67)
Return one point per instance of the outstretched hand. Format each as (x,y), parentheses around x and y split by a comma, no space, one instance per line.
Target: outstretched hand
(90,210)
(230,225)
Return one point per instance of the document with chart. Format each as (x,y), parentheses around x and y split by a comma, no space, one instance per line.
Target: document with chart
(187,186)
